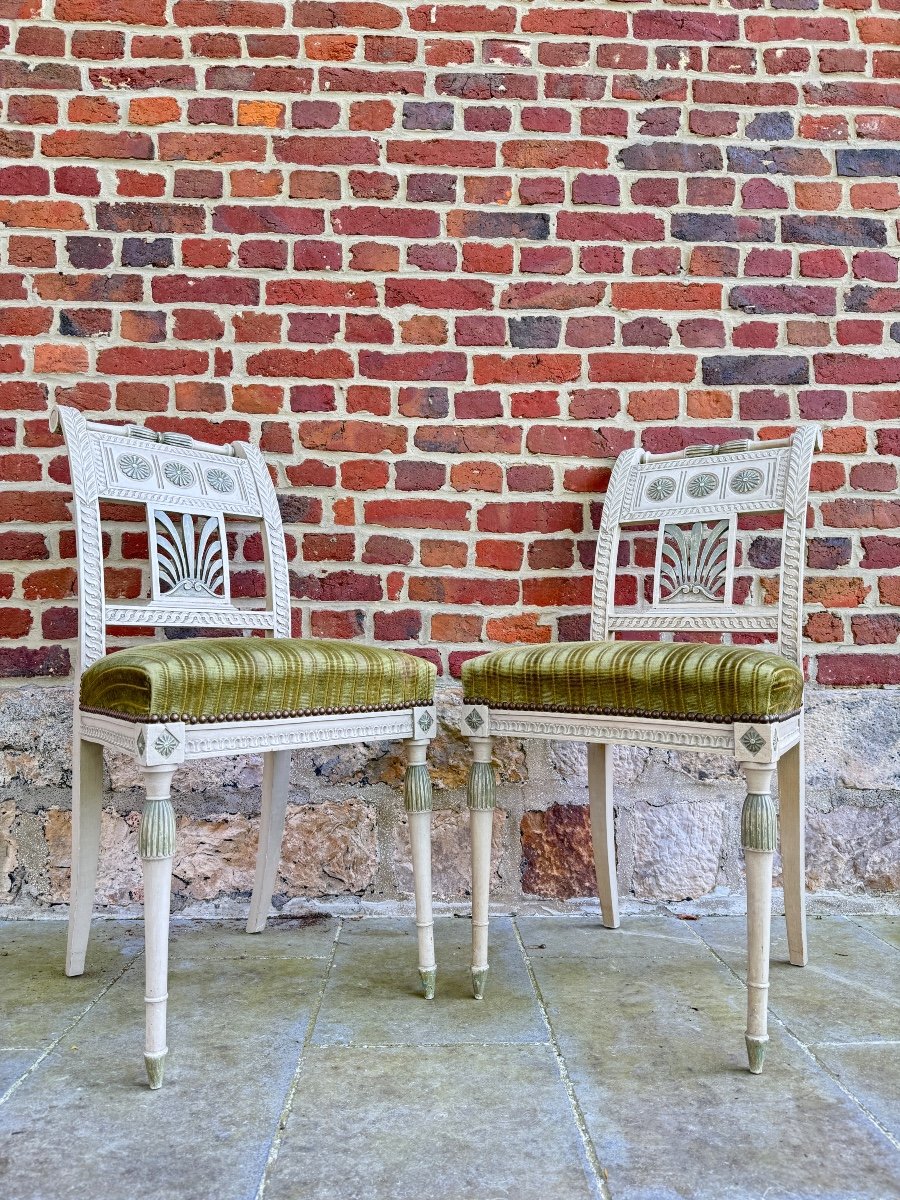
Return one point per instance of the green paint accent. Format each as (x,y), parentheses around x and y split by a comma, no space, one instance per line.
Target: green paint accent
(417,788)
(756,1053)
(659,679)
(482,787)
(156,838)
(759,823)
(155,1064)
(479,978)
(428,982)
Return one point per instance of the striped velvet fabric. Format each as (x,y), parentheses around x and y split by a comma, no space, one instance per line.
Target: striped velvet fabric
(654,679)
(241,678)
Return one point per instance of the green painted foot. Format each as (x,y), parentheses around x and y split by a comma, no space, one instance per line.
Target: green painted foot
(428,977)
(479,978)
(155,1064)
(756,1053)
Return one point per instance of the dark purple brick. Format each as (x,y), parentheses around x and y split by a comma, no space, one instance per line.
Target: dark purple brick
(827,554)
(89,252)
(833,231)
(140,252)
(784,298)
(718,227)
(755,368)
(777,160)
(863,298)
(857,163)
(670,156)
(432,189)
(436,114)
(765,553)
(532,333)
(771,127)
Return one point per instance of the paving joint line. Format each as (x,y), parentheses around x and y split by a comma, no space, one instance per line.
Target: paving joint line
(874,933)
(16,1084)
(286,1108)
(807,1050)
(595,1175)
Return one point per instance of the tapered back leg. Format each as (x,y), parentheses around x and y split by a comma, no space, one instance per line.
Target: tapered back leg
(87,809)
(600,789)
(792,820)
(276,779)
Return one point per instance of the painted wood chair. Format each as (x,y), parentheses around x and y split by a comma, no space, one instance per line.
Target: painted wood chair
(170,702)
(737,699)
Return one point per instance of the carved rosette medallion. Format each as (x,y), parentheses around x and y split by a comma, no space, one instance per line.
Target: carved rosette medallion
(702,485)
(178,474)
(746,481)
(134,466)
(166,744)
(661,488)
(474,720)
(752,741)
(220,481)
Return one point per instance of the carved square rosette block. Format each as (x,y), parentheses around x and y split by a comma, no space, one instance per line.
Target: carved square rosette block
(756,742)
(424,722)
(160,745)
(475,721)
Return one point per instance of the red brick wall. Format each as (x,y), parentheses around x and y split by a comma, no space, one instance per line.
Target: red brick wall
(445,261)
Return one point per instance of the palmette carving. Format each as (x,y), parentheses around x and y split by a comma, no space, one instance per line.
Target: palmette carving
(190,560)
(694,562)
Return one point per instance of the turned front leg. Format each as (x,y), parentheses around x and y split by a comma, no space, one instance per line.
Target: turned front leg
(758,836)
(156,844)
(417,800)
(482,798)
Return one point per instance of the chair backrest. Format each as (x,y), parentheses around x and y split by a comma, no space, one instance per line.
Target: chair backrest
(187,489)
(692,503)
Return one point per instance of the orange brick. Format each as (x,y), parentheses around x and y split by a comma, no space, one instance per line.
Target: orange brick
(70,359)
(154,110)
(330,47)
(710,405)
(267,113)
(818,197)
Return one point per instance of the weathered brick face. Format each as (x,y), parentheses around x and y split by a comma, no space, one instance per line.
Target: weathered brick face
(444,261)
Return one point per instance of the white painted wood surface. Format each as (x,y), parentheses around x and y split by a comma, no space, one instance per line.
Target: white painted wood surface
(187,488)
(693,500)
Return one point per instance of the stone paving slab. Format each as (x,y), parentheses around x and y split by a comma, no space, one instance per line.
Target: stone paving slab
(849,990)
(885,928)
(623,1079)
(14,1062)
(430,1123)
(373,995)
(37,1000)
(294,937)
(651,1030)
(83,1123)
(871,1072)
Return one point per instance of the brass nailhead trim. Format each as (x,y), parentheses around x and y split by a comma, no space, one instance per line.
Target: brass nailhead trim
(654,714)
(279,715)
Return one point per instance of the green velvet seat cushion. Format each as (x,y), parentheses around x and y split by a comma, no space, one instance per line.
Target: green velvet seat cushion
(658,679)
(214,678)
